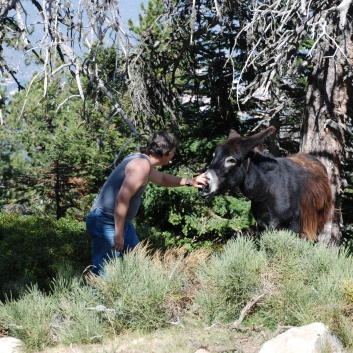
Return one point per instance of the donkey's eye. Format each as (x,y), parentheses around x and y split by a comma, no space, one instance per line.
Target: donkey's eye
(230,162)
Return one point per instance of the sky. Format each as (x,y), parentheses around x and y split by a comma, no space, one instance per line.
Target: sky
(129,9)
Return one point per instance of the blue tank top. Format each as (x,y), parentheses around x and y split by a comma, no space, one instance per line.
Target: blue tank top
(105,200)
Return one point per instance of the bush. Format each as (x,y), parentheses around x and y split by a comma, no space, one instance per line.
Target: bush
(76,320)
(141,292)
(30,318)
(138,289)
(306,284)
(229,280)
(179,217)
(301,282)
(35,250)
(43,320)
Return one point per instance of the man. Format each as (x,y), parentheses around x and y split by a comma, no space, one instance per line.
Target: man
(110,219)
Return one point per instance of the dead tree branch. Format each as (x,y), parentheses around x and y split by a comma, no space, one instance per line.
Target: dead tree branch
(248,307)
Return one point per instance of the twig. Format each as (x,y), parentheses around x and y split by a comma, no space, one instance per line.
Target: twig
(101,308)
(65,100)
(72,350)
(252,328)
(251,303)
(281,328)
(177,323)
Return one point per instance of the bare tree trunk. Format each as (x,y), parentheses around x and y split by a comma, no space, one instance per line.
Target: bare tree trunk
(327,110)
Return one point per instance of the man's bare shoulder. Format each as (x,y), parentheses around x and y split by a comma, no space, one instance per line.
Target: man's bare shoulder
(138,165)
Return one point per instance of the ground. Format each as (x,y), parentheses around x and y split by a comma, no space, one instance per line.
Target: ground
(214,339)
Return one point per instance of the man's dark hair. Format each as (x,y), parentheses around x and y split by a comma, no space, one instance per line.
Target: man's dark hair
(160,144)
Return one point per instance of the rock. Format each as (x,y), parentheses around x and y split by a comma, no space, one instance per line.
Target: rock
(312,338)
(10,345)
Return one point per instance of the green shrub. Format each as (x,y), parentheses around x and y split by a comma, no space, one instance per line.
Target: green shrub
(181,217)
(138,290)
(33,250)
(42,320)
(76,319)
(306,283)
(30,318)
(302,282)
(230,279)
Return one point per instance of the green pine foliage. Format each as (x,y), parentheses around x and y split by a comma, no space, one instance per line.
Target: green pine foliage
(179,216)
(55,159)
(155,8)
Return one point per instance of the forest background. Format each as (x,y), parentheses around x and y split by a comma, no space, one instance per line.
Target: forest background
(196,68)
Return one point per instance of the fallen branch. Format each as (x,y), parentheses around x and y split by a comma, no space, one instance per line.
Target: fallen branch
(251,303)
(72,350)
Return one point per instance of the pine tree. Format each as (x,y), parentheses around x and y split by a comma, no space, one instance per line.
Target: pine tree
(56,160)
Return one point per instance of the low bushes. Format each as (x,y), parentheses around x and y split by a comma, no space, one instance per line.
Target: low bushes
(147,290)
(35,250)
(230,279)
(299,282)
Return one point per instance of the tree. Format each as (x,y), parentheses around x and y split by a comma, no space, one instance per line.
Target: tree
(275,45)
(52,161)
(257,56)
(275,31)
(66,32)
(329,103)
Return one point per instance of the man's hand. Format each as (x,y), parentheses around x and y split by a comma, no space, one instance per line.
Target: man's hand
(118,242)
(199,180)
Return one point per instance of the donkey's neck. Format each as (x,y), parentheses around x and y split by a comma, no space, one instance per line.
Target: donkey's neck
(256,184)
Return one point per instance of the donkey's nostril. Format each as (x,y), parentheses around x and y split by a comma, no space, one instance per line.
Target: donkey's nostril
(205,188)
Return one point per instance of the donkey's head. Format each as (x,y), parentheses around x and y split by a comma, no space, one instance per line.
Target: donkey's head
(227,169)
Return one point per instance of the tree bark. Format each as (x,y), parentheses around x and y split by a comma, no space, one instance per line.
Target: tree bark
(328,102)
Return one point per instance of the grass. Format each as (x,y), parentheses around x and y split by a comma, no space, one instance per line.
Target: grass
(229,280)
(174,339)
(184,295)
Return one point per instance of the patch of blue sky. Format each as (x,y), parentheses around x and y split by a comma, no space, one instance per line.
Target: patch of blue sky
(128,9)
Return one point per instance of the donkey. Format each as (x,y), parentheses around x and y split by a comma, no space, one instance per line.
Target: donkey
(286,193)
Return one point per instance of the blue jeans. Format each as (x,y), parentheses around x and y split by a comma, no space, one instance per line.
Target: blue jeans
(101,229)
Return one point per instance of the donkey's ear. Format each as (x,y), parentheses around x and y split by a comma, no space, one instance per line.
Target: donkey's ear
(255,140)
(232,134)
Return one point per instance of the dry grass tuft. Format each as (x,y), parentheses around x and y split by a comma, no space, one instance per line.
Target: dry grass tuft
(177,262)
(347,288)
